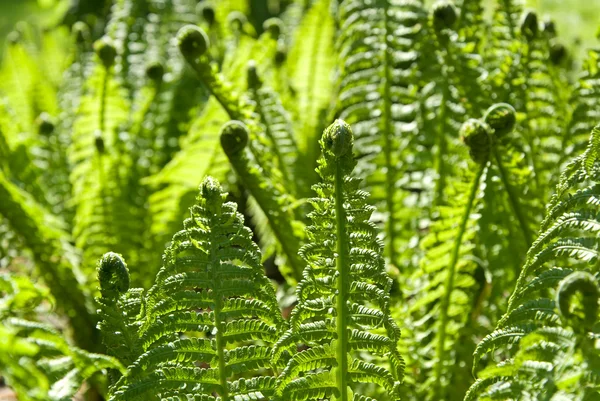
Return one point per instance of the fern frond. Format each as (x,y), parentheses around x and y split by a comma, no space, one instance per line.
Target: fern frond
(343,299)
(35,359)
(379,47)
(550,338)
(55,260)
(212,289)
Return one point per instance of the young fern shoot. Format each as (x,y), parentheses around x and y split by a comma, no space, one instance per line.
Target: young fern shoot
(207,325)
(343,299)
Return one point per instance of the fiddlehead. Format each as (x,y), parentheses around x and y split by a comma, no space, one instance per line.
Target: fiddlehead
(584,316)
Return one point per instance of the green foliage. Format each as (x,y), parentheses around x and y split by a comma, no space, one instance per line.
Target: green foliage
(421,208)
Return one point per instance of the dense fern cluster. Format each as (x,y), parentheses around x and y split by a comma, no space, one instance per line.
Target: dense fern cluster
(397,200)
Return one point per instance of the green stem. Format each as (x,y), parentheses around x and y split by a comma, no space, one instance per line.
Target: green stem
(442,146)
(449,284)
(221,347)
(280,221)
(220,342)
(103,91)
(514,201)
(388,148)
(342,285)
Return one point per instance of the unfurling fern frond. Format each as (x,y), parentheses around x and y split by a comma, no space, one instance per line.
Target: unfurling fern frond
(466,248)
(208,323)
(119,309)
(254,163)
(343,300)
(539,339)
(444,287)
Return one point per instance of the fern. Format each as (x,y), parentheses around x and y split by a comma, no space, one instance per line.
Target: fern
(211,306)
(54,257)
(36,360)
(550,345)
(379,49)
(343,301)
(452,284)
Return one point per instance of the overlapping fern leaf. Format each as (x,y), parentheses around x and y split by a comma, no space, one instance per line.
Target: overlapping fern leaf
(448,292)
(379,47)
(35,358)
(537,98)
(342,321)
(55,259)
(584,114)
(540,340)
(207,325)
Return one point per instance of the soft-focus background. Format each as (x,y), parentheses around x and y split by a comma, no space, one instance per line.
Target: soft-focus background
(576,19)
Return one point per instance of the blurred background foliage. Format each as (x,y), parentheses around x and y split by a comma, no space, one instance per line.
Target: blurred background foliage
(576,19)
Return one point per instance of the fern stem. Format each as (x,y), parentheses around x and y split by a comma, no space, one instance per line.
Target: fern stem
(342,285)
(220,343)
(221,348)
(442,146)
(388,134)
(449,284)
(101,122)
(514,202)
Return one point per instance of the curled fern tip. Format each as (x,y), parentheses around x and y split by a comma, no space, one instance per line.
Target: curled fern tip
(155,71)
(234,137)
(106,51)
(274,26)
(579,315)
(45,124)
(501,117)
(476,134)
(192,41)
(113,275)
(529,25)
(207,12)
(211,190)
(444,14)
(81,32)
(337,139)
(253,78)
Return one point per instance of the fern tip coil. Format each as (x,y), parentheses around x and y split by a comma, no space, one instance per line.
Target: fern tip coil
(192,41)
(501,117)
(234,137)
(338,139)
(113,275)
(476,134)
(45,124)
(81,32)
(155,71)
(444,14)
(106,51)
(585,315)
(529,25)
(274,26)
(206,12)
(252,73)
(236,20)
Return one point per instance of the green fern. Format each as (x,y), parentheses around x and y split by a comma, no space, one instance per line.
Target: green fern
(343,301)
(211,306)
(550,345)
(35,358)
